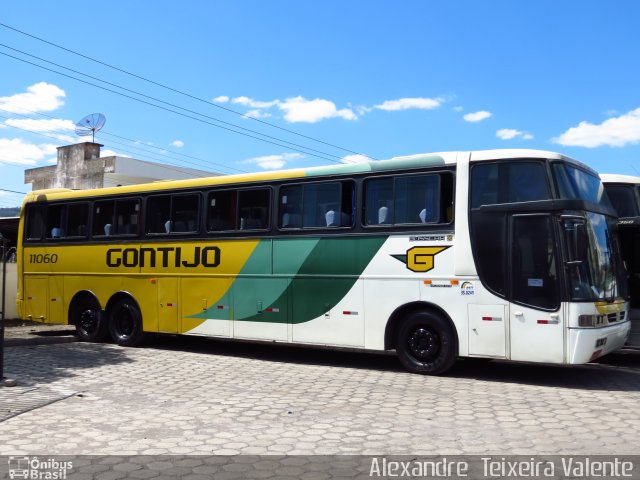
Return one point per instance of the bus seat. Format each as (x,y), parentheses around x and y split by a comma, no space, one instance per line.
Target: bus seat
(191,226)
(107,229)
(179,226)
(250,224)
(427,216)
(333,218)
(56,232)
(167,226)
(383,213)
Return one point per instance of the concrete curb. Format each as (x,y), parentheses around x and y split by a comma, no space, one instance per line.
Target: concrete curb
(37,340)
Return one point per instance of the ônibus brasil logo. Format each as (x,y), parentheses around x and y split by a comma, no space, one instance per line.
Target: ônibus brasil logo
(38,469)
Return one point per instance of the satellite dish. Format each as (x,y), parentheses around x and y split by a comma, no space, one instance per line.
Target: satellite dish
(90,124)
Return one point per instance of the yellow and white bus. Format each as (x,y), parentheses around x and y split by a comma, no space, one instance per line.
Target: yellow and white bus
(500,254)
(624,193)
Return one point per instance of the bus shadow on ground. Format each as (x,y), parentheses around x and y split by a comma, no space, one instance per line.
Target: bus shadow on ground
(43,364)
(615,372)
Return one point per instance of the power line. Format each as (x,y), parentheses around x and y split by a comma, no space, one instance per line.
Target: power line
(204,163)
(53,131)
(193,97)
(12,191)
(164,102)
(168,109)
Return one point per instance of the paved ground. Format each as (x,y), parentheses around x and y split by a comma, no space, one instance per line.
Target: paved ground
(197,396)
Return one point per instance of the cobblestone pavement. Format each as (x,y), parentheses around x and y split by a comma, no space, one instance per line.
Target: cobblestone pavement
(196,396)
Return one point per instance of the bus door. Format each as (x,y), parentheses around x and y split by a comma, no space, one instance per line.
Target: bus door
(536,319)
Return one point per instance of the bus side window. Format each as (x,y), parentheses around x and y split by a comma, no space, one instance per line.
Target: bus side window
(158,214)
(185,213)
(77,219)
(291,206)
(126,217)
(221,211)
(253,209)
(55,221)
(35,222)
(378,205)
(103,218)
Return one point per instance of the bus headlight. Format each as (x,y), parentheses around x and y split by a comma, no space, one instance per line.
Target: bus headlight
(592,321)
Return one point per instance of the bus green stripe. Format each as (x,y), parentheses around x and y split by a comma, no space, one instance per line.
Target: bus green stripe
(327,269)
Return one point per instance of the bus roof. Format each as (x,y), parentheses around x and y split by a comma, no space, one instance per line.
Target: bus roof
(616,178)
(410,161)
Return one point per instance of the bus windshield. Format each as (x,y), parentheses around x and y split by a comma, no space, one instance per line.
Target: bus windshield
(594,262)
(576,184)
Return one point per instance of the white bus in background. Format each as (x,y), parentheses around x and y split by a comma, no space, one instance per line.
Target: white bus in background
(624,193)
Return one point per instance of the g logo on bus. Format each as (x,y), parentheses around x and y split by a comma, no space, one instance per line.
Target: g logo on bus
(420,259)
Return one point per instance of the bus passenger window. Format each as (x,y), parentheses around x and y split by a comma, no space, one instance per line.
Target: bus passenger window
(77,219)
(55,221)
(403,200)
(158,214)
(221,213)
(253,209)
(103,218)
(317,205)
(291,207)
(379,201)
(35,222)
(184,213)
(126,218)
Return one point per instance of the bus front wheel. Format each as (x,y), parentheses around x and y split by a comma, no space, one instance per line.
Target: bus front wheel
(89,321)
(125,323)
(425,343)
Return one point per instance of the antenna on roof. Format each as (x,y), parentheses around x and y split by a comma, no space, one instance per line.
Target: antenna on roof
(90,124)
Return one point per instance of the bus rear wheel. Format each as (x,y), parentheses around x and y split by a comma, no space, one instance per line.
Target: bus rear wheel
(88,319)
(425,343)
(125,323)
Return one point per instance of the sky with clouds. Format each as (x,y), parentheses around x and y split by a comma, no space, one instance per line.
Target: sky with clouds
(231,86)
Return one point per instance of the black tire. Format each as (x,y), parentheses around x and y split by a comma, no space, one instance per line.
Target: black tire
(426,344)
(86,315)
(125,323)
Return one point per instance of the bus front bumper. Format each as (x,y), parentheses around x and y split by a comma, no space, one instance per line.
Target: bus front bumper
(587,344)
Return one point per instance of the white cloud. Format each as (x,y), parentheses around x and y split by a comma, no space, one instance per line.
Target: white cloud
(250,102)
(51,127)
(18,152)
(458,108)
(177,143)
(409,103)
(510,133)
(41,97)
(356,158)
(477,116)
(299,109)
(257,114)
(613,132)
(221,99)
(112,153)
(273,162)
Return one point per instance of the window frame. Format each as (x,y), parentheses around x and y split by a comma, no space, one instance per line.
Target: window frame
(171,219)
(341,182)
(442,207)
(237,224)
(115,201)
